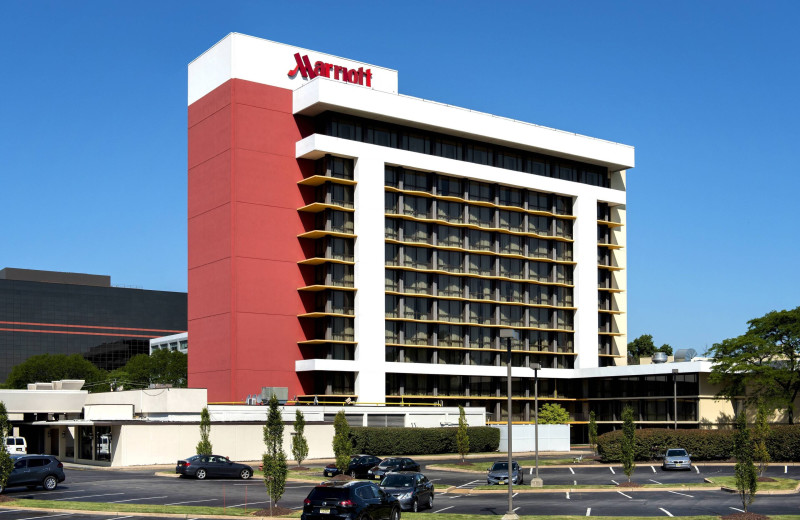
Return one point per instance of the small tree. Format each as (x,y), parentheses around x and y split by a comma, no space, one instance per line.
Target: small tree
(553,413)
(760,435)
(299,442)
(342,447)
(204,446)
(462,437)
(6,464)
(628,442)
(746,477)
(593,432)
(274,460)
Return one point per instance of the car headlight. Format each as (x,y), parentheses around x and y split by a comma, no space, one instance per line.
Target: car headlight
(404,496)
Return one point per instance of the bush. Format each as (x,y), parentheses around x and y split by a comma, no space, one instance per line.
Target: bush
(421,441)
(783,443)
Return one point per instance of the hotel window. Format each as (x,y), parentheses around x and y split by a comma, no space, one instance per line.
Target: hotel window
(341,383)
(416,181)
(539,225)
(415,143)
(512,315)
(512,220)
(604,279)
(478,154)
(538,201)
(392,306)
(450,335)
(419,207)
(448,149)
(449,236)
(449,187)
(603,211)
(342,329)
(390,228)
(341,302)
(451,310)
(511,244)
(480,216)
(391,332)
(418,385)
(390,202)
(536,167)
(449,286)
(392,254)
(512,268)
(563,296)
(482,359)
(417,257)
(593,177)
(391,177)
(416,232)
(381,136)
(415,333)
(480,289)
(604,301)
(449,357)
(341,275)
(340,168)
(539,271)
(539,317)
(563,228)
(416,308)
(538,340)
(539,294)
(566,342)
(481,313)
(340,221)
(480,337)
(480,191)
(451,261)
(335,247)
(563,205)
(508,161)
(566,172)
(342,195)
(481,264)
(564,274)
(392,280)
(481,240)
(565,320)
(481,386)
(450,211)
(563,251)
(511,292)
(346,129)
(538,248)
(416,283)
(510,197)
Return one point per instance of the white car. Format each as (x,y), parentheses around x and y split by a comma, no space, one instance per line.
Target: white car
(16,445)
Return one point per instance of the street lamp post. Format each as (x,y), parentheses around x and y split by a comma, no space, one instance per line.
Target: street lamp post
(536,481)
(509,334)
(675,397)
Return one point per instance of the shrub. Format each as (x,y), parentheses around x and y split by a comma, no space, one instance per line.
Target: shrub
(421,441)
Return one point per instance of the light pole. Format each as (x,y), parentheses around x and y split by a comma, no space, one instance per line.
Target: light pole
(509,334)
(675,397)
(536,481)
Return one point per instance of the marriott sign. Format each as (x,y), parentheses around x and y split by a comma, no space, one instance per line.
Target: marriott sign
(328,70)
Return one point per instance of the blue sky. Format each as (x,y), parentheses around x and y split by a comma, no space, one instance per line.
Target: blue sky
(93,128)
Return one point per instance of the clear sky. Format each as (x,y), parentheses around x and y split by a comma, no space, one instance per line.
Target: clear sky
(93,127)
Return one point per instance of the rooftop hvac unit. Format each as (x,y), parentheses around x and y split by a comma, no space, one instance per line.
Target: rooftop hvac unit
(660,357)
(281,392)
(685,354)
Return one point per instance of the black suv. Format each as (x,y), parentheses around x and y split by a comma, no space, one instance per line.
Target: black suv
(349,500)
(359,465)
(35,470)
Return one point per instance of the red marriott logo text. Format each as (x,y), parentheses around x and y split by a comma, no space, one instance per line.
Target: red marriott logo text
(328,70)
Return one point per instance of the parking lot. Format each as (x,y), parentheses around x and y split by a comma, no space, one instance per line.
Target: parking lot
(143,487)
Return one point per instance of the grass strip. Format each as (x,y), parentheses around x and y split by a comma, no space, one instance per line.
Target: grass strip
(132,508)
(566,487)
(779,484)
(484,466)
(453,516)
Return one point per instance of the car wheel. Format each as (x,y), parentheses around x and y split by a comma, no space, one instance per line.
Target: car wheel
(245,474)
(353,473)
(201,474)
(50,483)
(395,514)
(430,501)
(415,505)
(663,467)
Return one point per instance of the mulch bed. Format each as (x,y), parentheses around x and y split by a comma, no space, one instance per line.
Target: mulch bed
(276,511)
(6,498)
(766,479)
(342,477)
(299,468)
(629,484)
(745,516)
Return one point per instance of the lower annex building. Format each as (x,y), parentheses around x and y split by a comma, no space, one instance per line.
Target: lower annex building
(347,241)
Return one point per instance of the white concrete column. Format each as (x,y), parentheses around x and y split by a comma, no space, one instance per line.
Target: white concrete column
(370,384)
(585,254)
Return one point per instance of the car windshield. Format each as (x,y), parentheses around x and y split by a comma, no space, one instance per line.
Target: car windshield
(398,481)
(389,462)
(676,453)
(500,466)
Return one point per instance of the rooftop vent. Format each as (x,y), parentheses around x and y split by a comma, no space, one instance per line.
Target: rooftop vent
(660,357)
(685,354)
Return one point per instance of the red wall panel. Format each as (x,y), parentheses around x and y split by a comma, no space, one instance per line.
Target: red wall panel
(210,184)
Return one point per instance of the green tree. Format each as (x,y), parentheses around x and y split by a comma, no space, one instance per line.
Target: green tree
(666,349)
(165,367)
(766,357)
(44,368)
(760,435)
(299,442)
(593,432)
(746,475)
(642,346)
(204,446)
(342,447)
(553,413)
(6,464)
(462,437)
(628,442)
(274,460)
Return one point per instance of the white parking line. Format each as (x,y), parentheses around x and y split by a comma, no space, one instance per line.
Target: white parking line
(298,507)
(435,479)
(588,511)
(10,511)
(623,494)
(469,483)
(89,496)
(192,501)
(574,482)
(457,496)
(515,509)
(786,468)
(615,482)
(684,494)
(55,492)
(651,480)
(653,468)
(251,503)
(133,499)
(570,470)
(567,495)
(515,494)
(665,511)
(121,517)
(46,516)
(612,470)
(530,472)
(444,509)
(697,469)
(740,510)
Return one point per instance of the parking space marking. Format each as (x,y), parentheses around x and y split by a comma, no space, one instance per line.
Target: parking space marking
(612,480)
(570,469)
(458,496)
(195,501)
(785,468)
(515,509)
(515,494)
(251,503)
(89,496)
(683,494)
(697,469)
(567,495)
(16,510)
(435,479)
(740,510)
(46,516)
(588,510)
(651,480)
(468,484)
(623,494)
(121,517)
(530,471)
(132,499)
(444,509)
(612,470)
(651,467)
(301,507)
(665,511)
(574,482)
(54,492)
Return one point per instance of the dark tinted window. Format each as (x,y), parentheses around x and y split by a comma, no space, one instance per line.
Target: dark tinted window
(364,492)
(37,463)
(395,480)
(328,493)
(20,464)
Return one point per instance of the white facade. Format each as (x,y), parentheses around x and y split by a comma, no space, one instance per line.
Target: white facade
(174,342)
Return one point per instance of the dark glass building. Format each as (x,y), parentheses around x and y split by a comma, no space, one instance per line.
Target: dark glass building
(45,312)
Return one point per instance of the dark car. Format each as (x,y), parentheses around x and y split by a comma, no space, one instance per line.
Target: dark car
(411,489)
(359,466)
(206,466)
(498,473)
(677,458)
(35,470)
(349,500)
(391,464)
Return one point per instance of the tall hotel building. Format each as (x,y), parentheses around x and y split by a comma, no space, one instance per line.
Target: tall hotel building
(349,241)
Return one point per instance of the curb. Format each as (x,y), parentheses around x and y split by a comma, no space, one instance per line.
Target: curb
(128,513)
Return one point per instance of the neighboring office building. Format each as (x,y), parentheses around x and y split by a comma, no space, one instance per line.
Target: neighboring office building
(174,342)
(347,241)
(47,312)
